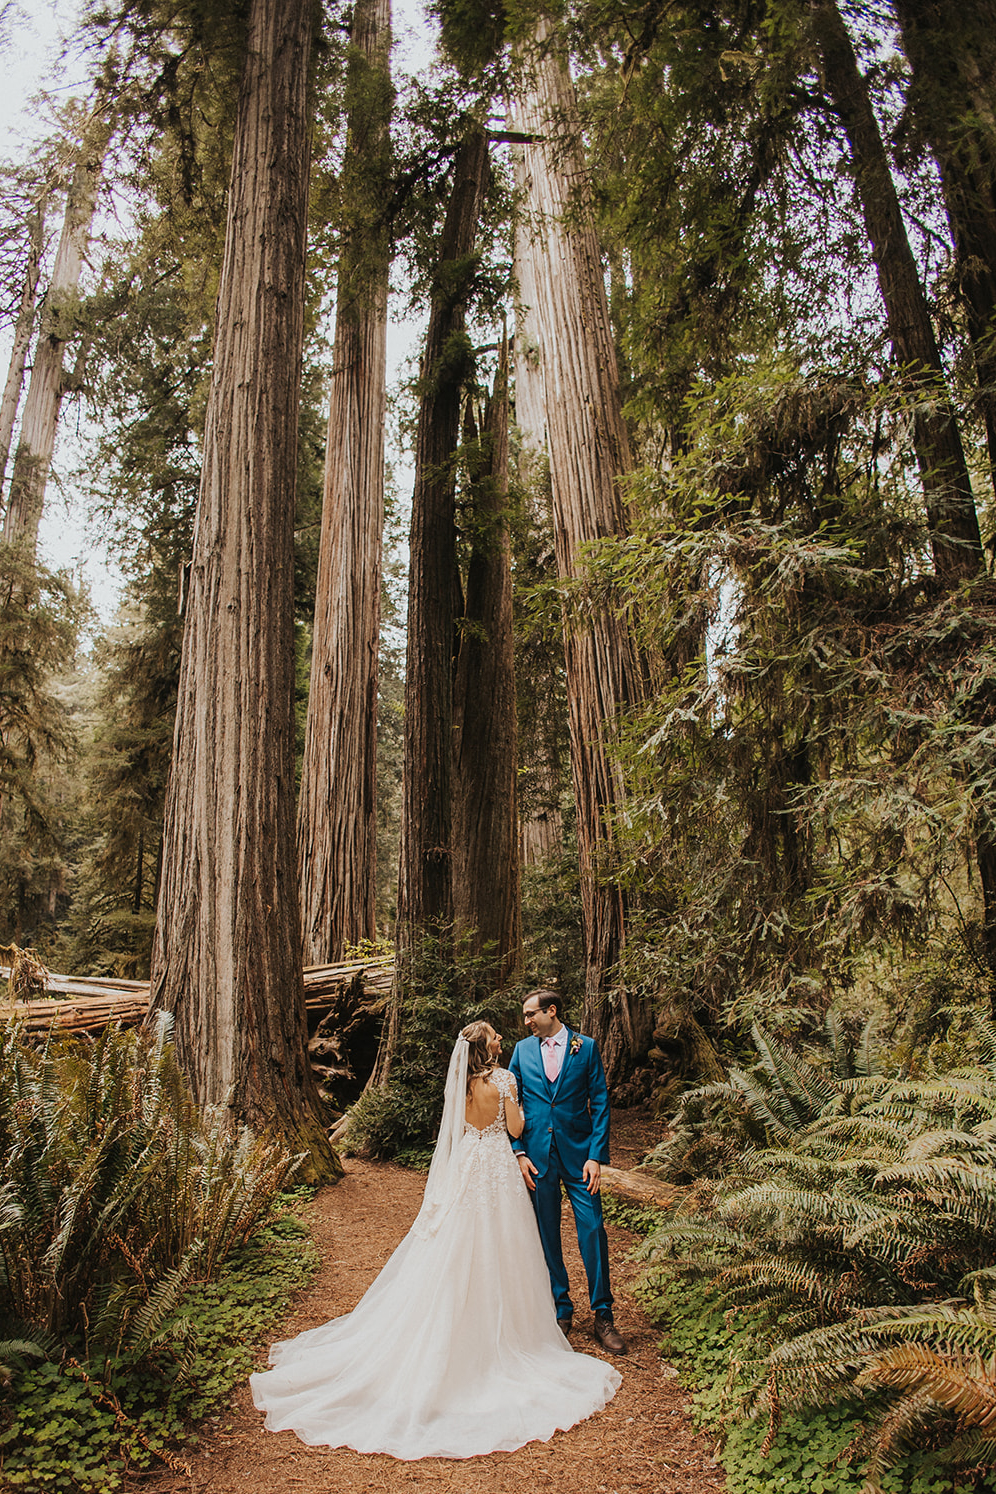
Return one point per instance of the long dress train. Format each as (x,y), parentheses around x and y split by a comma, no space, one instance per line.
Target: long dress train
(454,1350)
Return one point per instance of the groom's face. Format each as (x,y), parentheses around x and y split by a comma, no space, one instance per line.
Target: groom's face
(541,1022)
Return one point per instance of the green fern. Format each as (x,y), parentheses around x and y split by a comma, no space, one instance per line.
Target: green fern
(858,1232)
(926,1374)
(782,1094)
(114,1188)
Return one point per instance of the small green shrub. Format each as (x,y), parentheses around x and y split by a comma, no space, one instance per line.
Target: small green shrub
(639,1219)
(443,992)
(415,1158)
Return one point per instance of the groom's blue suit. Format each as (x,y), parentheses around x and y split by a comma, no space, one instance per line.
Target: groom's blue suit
(567,1125)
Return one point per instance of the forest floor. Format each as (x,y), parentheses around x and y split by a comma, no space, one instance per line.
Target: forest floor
(642,1443)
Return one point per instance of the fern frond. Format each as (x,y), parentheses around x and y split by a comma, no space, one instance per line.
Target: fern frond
(985,1031)
(964,1386)
(891,1435)
(770,1111)
(805,1089)
(145,1324)
(759,1276)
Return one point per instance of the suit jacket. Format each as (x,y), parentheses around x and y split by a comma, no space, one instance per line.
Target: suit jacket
(573,1111)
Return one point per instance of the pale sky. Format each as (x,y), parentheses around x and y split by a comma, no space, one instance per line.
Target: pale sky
(31,60)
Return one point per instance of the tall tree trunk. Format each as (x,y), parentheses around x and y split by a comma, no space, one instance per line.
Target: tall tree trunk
(425,873)
(951,516)
(337,828)
(227,961)
(58,322)
(541,832)
(530,400)
(486,894)
(952,54)
(22,331)
(589,452)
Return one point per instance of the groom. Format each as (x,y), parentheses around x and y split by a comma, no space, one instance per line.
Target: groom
(562,1091)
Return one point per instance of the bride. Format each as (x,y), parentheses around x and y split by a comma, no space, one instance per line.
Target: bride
(454,1350)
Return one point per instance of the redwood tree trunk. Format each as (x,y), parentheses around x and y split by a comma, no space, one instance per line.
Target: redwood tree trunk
(22,333)
(337,829)
(589,452)
(951,516)
(425,873)
(227,961)
(58,322)
(541,829)
(530,399)
(486,892)
(952,53)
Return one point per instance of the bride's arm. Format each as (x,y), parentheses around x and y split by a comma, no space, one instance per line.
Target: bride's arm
(514,1119)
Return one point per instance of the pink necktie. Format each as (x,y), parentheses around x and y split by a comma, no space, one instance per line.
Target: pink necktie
(550,1058)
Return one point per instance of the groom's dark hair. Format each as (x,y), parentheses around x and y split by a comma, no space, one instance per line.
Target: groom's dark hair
(547,998)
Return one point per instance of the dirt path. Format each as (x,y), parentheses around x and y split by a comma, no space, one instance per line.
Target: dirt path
(642,1443)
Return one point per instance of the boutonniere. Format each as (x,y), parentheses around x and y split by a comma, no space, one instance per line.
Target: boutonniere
(575,1044)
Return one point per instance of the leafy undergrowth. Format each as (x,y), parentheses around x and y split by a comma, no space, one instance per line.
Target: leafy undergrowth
(82,1424)
(721,1350)
(639,1219)
(815,1450)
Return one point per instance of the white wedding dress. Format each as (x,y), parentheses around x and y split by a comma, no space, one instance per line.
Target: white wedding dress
(454,1350)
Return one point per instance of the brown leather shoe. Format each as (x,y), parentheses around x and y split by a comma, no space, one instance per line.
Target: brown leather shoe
(565,1325)
(608,1336)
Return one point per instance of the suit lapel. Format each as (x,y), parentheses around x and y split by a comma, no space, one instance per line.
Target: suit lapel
(537,1053)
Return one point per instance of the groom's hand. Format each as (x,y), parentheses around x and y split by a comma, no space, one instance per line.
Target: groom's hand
(592,1174)
(528,1171)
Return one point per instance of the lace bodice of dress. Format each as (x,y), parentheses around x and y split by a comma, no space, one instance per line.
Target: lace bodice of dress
(505,1085)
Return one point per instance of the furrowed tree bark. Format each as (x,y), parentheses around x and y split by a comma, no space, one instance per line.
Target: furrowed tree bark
(950,505)
(425,874)
(40,420)
(23,328)
(952,54)
(530,398)
(589,452)
(227,961)
(541,828)
(486,884)
(337,830)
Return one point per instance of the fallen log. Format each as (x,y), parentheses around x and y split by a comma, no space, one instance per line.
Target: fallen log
(639,1187)
(86,1014)
(97,1000)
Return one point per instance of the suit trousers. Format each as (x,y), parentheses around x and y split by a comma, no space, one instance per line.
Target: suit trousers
(591,1236)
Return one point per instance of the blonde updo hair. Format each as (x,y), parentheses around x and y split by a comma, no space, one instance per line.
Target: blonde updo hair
(480,1062)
